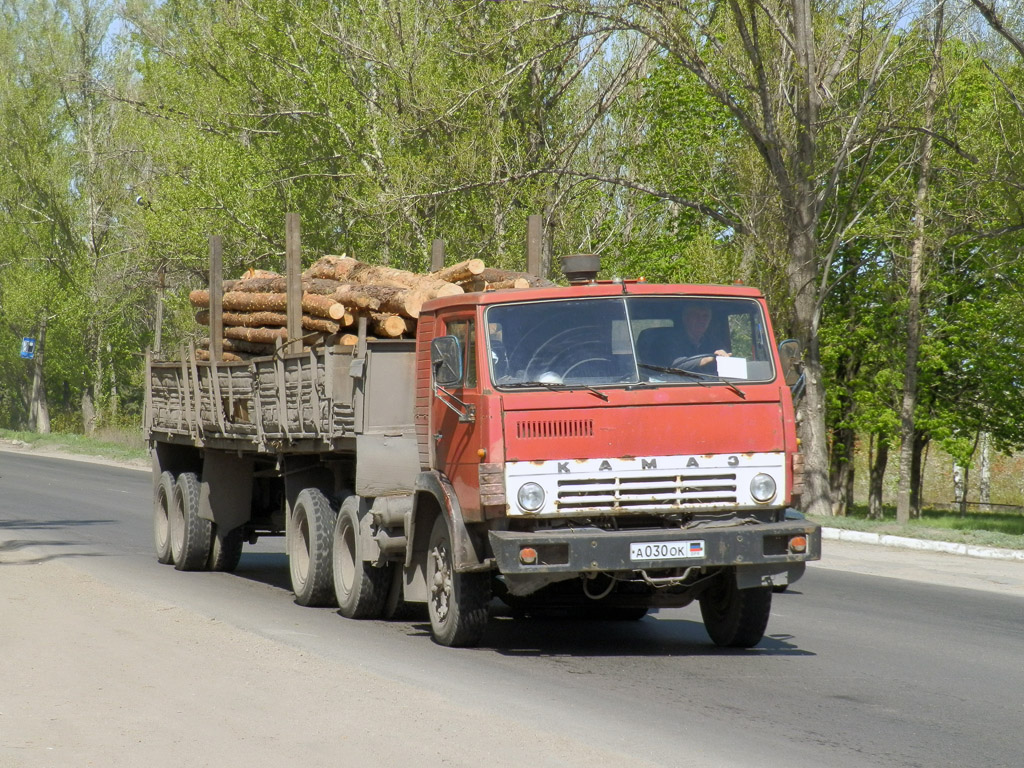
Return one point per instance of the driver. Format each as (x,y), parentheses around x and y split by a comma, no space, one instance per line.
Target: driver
(694,348)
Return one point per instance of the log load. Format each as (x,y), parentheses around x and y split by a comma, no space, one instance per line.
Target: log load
(352,271)
(336,292)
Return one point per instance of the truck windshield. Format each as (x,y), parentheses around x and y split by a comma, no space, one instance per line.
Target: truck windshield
(580,343)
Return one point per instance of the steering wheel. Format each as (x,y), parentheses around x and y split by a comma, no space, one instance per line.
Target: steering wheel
(585,360)
(540,360)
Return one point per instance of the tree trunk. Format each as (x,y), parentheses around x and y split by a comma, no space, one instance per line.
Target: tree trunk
(959,489)
(115,404)
(802,274)
(963,498)
(841,470)
(39,410)
(88,411)
(904,502)
(876,478)
(917,462)
(985,471)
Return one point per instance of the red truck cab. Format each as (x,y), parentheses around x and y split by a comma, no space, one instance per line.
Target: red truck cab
(612,447)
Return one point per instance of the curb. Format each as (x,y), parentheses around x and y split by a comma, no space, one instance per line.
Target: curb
(923,545)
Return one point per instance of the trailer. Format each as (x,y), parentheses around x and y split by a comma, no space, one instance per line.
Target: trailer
(544,447)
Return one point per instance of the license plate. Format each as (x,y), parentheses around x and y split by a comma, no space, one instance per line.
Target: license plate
(665,550)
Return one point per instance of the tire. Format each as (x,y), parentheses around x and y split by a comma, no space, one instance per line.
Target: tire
(163,504)
(733,617)
(457,604)
(310,528)
(190,533)
(226,549)
(360,588)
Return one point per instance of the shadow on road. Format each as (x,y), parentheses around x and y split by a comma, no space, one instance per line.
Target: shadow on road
(650,636)
(659,634)
(270,568)
(30,525)
(9,551)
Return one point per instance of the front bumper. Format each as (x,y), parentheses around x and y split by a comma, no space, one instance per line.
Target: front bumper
(589,550)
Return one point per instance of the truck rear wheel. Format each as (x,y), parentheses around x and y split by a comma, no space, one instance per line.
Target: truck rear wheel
(734,617)
(361,588)
(163,504)
(226,549)
(458,601)
(310,526)
(189,533)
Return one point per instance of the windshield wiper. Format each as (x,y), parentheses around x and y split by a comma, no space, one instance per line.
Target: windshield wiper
(696,376)
(556,387)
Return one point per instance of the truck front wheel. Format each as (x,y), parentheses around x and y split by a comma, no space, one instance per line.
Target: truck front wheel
(189,533)
(458,601)
(361,588)
(733,617)
(310,526)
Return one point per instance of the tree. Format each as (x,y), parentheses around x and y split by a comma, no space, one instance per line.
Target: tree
(799,87)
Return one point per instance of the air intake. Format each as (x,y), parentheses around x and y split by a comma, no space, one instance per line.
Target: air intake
(526,430)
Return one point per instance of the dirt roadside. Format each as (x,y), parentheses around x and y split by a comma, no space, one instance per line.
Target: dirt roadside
(97,676)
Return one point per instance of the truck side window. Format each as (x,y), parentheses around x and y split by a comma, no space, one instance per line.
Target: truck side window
(464,331)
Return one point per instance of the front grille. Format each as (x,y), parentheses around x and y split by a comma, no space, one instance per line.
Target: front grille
(526,430)
(666,492)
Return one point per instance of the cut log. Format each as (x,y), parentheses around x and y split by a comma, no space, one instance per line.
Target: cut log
(456,273)
(263,319)
(243,347)
(390,326)
(280,285)
(226,357)
(491,275)
(341,314)
(385,298)
(479,284)
(256,335)
(241,301)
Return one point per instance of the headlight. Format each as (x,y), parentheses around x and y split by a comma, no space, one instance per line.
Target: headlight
(530,497)
(762,487)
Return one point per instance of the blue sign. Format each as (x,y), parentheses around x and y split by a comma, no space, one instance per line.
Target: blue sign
(28,347)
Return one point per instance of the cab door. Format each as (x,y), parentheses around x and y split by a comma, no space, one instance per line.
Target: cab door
(455,419)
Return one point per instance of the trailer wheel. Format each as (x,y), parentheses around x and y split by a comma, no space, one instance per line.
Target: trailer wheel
(361,588)
(458,601)
(733,617)
(190,533)
(226,549)
(163,504)
(310,526)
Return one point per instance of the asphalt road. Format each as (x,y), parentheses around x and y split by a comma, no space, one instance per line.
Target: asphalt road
(855,670)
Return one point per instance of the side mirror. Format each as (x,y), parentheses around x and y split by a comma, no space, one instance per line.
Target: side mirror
(789,353)
(446,360)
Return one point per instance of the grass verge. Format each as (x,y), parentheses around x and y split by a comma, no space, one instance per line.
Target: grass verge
(984,529)
(117,445)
